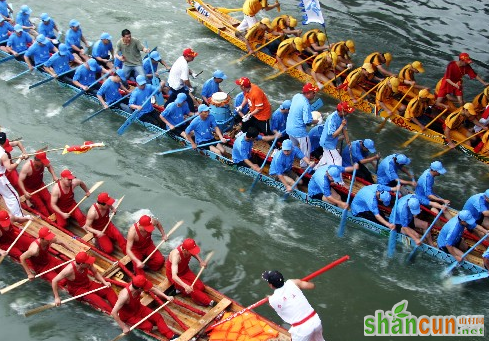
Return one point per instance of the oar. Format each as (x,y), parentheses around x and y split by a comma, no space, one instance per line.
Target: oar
(91,190)
(166,131)
(19,283)
(89,236)
(458,144)
(228,10)
(452,266)
(286,195)
(15,240)
(82,92)
(110,106)
(412,255)
(121,335)
(468,278)
(264,300)
(188,148)
(52,305)
(391,246)
(275,75)
(174,228)
(134,115)
(382,125)
(154,80)
(341,228)
(336,77)
(22,198)
(33,154)
(6,59)
(24,72)
(257,177)
(366,94)
(255,51)
(209,256)
(408,142)
(50,79)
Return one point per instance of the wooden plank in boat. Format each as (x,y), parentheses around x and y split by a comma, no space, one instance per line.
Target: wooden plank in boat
(162,286)
(115,267)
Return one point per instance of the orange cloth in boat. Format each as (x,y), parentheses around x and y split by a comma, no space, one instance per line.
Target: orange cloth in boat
(246,327)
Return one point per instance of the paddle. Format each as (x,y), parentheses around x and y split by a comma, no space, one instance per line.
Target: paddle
(366,94)
(22,198)
(382,125)
(458,144)
(174,228)
(91,190)
(6,59)
(286,195)
(82,92)
(341,228)
(228,10)
(52,305)
(26,71)
(209,256)
(46,151)
(154,80)
(452,266)
(15,240)
(101,110)
(468,278)
(188,148)
(135,114)
(121,335)
(166,131)
(89,236)
(412,255)
(19,283)
(336,77)
(408,142)
(253,52)
(391,246)
(275,75)
(264,300)
(50,79)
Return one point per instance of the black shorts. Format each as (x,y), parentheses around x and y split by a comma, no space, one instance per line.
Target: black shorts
(204,142)
(317,196)
(443,248)
(410,225)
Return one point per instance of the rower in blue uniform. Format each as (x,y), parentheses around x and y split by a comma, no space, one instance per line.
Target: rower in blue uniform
(212,85)
(359,152)
(85,75)
(424,189)
(18,42)
(24,19)
(103,52)
(314,138)
(243,145)
(320,184)
(139,96)
(478,206)
(39,52)
(59,62)
(154,60)
(74,38)
(278,121)
(109,91)
(388,168)
(5,30)
(366,203)
(5,11)
(48,28)
(175,113)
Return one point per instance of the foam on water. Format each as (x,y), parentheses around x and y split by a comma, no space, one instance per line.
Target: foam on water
(53,110)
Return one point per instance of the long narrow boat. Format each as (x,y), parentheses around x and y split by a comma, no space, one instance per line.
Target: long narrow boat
(225,25)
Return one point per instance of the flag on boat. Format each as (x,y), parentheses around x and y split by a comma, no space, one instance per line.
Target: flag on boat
(312,12)
(87,145)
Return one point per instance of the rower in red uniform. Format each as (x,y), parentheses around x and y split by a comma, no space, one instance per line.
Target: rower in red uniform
(97,219)
(78,282)
(12,175)
(63,199)
(140,245)
(129,309)
(180,275)
(31,179)
(39,257)
(8,233)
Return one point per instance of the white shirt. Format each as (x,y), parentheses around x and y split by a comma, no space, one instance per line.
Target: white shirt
(178,73)
(290,303)
(2,167)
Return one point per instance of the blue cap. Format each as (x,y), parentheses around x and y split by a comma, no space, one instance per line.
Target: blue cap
(141,80)
(121,74)
(203,107)
(385,197)
(219,74)
(285,104)
(181,97)
(63,49)
(287,145)
(25,9)
(466,216)
(42,39)
(369,144)
(437,167)
(486,193)
(105,35)
(45,17)
(335,173)
(92,64)
(18,28)
(413,204)
(402,159)
(74,23)
(155,56)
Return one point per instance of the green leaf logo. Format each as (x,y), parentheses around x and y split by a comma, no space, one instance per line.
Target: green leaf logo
(399,310)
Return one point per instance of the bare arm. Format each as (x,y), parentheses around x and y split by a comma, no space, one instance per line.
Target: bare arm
(32,251)
(131,235)
(121,300)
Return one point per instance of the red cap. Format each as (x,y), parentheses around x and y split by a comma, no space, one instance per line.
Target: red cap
(140,281)
(45,233)
(465,57)
(189,245)
(4,219)
(104,198)
(83,258)
(67,174)
(41,156)
(243,81)
(190,53)
(145,222)
(344,106)
(309,87)
(7,147)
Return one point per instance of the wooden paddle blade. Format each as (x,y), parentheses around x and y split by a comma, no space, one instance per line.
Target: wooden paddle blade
(39,309)
(13,286)
(382,125)
(391,247)
(2,258)
(118,337)
(468,278)
(408,142)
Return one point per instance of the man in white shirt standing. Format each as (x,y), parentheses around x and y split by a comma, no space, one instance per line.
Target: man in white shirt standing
(7,191)
(178,79)
(292,306)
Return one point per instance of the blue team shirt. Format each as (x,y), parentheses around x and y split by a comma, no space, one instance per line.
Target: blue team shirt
(476,204)
(278,121)
(366,199)
(282,163)
(174,114)
(357,153)
(73,38)
(4,8)
(209,88)
(320,183)
(23,20)
(242,148)
(39,53)
(47,29)
(424,187)
(85,76)
(315,136)
(403,212)
(202,129)
(5,29)
(101,50)
(332,123)
(60,63)
(110,91)
(19,44)
(138,97)
(300,114)
(387,170)
(237,102)
(147,66)
(451,233)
